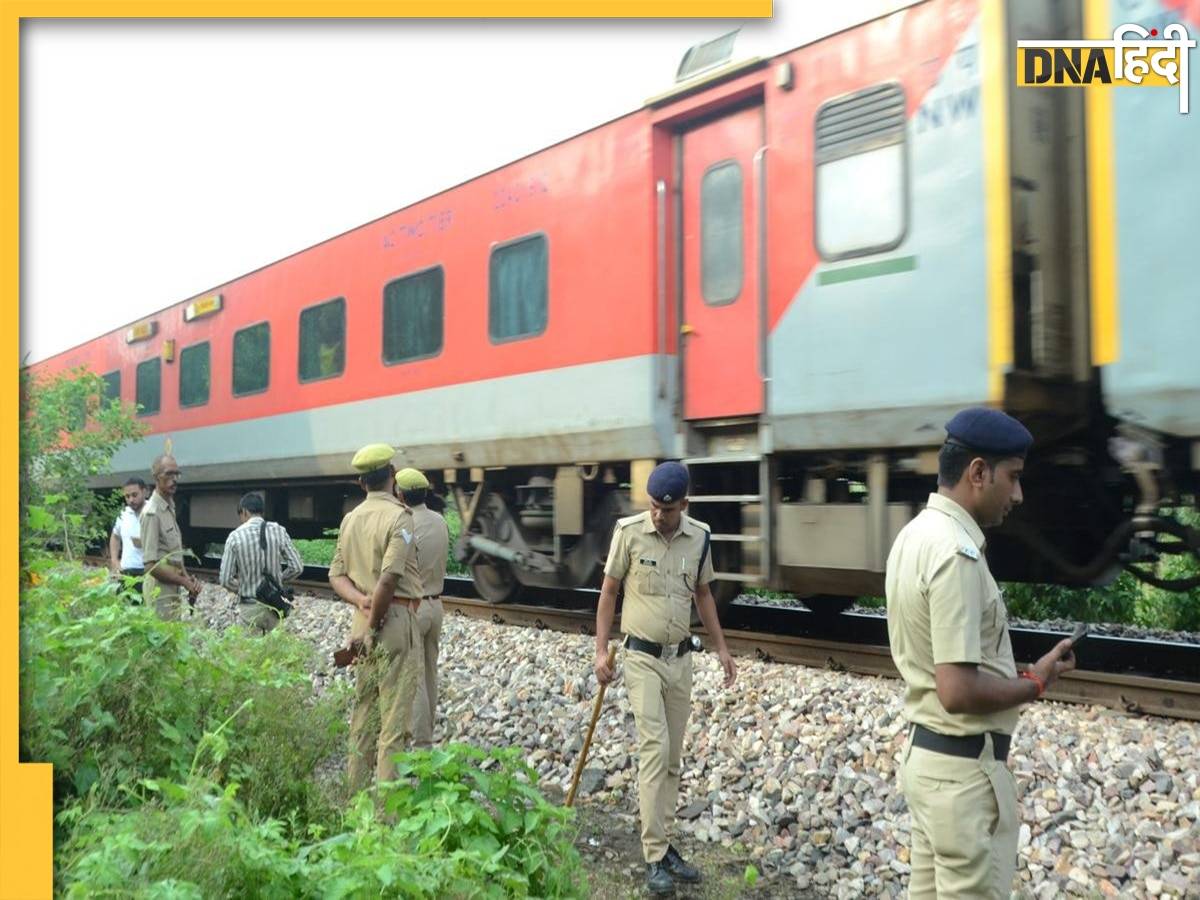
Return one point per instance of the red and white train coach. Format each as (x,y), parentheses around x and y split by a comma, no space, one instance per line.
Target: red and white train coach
(789,271)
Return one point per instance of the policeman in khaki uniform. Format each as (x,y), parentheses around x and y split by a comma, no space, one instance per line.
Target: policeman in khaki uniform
(433,544)
(662,557)
(375,570)
(949,637)
(167,581)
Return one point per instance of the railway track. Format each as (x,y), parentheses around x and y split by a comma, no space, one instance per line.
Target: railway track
(1132,675)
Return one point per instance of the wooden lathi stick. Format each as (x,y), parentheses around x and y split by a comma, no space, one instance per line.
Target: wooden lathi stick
(587,741)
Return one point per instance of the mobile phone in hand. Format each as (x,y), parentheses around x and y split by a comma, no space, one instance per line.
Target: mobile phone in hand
(1078,635)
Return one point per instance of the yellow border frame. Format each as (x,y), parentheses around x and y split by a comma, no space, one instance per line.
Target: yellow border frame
(998,211)
(1102,201)
(26,845)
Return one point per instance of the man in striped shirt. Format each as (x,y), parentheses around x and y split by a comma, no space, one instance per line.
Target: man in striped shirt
(243,562)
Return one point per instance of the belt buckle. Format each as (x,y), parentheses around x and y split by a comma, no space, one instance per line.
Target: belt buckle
(670,651)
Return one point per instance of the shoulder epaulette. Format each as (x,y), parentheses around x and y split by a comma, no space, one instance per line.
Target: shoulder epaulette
(629,520)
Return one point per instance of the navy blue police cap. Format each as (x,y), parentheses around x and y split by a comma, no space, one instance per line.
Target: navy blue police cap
(989,431)
(668,482)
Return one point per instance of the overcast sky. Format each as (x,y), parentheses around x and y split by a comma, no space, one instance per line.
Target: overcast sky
(161,159)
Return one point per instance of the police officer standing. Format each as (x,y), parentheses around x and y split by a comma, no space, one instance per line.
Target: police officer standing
(662,558)
(374,569)
(433,544)
(948,630)
(162,545)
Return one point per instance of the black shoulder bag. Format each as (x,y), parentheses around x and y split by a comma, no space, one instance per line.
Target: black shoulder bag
(270,591)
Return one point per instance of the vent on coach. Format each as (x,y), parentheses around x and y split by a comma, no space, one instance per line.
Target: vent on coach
(870,118)
(706,56)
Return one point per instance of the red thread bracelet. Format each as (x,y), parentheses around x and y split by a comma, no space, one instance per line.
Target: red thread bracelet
(1041,685)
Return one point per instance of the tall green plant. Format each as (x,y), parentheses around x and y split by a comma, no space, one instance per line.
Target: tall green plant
(69,433)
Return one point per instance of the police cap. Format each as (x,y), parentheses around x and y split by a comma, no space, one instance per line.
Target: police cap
(989,431)
(411,480)
(372,457)
(668,482)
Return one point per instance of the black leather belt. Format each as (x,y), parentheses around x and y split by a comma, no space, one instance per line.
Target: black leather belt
(657,650)
(968,746)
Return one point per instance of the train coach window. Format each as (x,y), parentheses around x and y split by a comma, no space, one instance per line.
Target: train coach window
(195,375)
(112,386)
(861,202)
(518,288)
(149,386)
(323,340)
(413,315)
(251,359)
(721,233)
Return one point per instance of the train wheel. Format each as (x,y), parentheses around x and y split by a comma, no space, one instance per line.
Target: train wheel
(495,582)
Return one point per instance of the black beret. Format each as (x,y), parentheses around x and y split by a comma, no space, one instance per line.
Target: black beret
(668,482)
(989,431)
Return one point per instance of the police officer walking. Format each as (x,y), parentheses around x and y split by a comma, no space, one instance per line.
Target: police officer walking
(167,580)
(433,544)
(661,556)
(948,630)
(375,570)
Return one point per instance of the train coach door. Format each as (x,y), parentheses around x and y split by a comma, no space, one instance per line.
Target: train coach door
(719,333)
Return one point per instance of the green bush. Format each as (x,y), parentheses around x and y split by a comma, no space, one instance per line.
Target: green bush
(111,694)
(446,828)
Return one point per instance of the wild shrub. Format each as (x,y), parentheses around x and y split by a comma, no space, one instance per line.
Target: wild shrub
(111,694)
(458,823)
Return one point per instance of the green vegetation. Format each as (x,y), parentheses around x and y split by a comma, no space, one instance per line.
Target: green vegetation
(69,432)
(186,765)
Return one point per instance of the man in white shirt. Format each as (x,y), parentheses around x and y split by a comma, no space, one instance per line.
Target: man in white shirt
(124,544)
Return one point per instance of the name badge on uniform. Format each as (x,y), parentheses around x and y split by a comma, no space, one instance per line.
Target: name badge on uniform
(969,551)
(648,562)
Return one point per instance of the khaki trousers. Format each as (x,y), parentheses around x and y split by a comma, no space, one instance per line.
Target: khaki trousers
(429,628)
(388,678)
(964,824)
(660,693)
(169,600)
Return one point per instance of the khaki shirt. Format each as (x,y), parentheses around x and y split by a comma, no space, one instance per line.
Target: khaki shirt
(161,539)
(377,536)
(659,576)
(433,543)
(943,606)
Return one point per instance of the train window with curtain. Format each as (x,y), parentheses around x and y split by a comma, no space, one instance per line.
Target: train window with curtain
(149,386)
(518,288)
(195,374)
(323,340)
(112,386)
(413,316)
(861,202)
(251,359)
(721,244)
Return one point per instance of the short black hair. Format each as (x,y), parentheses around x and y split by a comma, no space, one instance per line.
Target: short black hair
(130,482)
(252,503)
(376,478)
(416,496)
(953,460)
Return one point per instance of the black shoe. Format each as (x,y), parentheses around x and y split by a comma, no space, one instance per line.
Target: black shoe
(679,869)
(658,879)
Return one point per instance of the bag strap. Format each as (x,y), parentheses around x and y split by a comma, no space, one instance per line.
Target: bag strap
(703,556)
(262,544)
